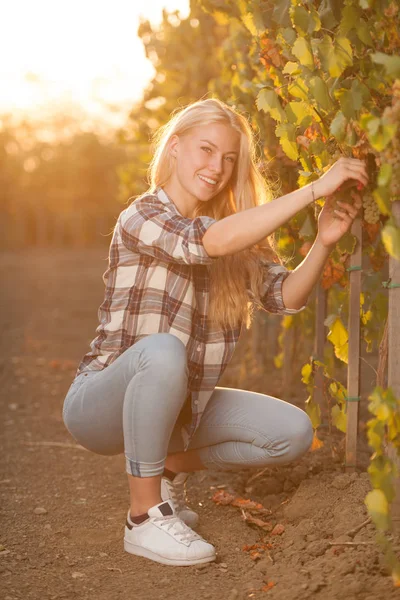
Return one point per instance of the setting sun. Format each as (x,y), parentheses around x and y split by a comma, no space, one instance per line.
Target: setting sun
(76,56)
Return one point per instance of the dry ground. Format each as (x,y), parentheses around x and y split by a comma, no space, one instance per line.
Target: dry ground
(63,508)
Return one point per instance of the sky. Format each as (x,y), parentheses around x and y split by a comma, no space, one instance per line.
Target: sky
(80,55)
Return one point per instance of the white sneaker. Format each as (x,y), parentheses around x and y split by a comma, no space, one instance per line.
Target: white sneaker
(174,491)
(166,539)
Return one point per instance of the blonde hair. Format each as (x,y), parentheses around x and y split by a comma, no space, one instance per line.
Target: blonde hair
(229,300)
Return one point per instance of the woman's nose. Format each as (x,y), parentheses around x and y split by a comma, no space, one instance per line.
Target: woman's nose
(216,164)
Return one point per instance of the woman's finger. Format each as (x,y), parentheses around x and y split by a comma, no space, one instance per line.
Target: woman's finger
(352,210)
(344,216)
(358,172)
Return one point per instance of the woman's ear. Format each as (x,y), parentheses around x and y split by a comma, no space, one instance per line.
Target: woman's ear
(173,146)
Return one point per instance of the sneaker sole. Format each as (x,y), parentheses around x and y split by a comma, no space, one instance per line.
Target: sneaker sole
(139,551)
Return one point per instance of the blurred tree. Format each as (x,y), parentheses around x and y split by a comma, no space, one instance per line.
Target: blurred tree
(58,191)
(183,54)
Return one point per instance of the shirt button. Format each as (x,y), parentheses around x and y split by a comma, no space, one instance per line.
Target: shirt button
(196,402)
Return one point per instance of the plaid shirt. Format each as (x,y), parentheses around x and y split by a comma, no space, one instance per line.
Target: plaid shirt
(157,281)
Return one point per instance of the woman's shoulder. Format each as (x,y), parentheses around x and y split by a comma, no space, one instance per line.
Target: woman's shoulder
(148,199)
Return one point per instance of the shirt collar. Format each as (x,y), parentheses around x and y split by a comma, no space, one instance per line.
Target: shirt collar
(165,199)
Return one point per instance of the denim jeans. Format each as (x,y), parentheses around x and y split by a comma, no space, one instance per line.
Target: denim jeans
(138,404)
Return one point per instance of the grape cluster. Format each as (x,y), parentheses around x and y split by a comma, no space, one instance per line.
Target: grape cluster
(371,210)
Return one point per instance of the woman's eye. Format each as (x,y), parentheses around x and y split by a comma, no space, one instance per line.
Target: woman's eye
(206,148)
(230,158)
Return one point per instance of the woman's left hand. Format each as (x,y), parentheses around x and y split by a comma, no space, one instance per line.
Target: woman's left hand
(334,223)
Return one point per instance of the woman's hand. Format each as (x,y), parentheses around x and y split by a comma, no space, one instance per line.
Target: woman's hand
(334,223)
(340,172)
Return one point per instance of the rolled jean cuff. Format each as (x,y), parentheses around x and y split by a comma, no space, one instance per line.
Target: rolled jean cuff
(141,469)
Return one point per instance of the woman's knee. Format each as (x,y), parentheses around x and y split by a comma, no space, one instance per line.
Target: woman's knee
(164,353)
(301,435)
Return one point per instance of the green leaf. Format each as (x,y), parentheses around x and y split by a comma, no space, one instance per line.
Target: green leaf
(382,198)
(254,21)
(314,412)
(302,51)
(268,101)
(391,240)
(287,138)
(335,57)
(338,126)
(286,132)
(362,29)
(320,92)
(347,243)
(382,474)
(385,175)
(297,112)
(379,131)
(350,18)
(378,508)
(280,12)
(291,68)
(391,63)
(298,89)
(339,418)
(307,229)
(305,22)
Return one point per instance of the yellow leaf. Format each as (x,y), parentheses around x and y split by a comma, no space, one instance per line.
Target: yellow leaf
(383,412)
(314,412)
(339,418)
(378,508)
(339,337)
(306,373)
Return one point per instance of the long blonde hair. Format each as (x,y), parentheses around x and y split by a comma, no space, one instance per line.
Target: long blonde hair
(247,188)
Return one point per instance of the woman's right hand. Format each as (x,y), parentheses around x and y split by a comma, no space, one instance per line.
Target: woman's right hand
(342,170)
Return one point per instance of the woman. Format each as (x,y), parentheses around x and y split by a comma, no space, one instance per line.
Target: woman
(187,261)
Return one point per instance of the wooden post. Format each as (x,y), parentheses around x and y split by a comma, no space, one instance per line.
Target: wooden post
(353,373)
(287,367)
(394,356)
(319,345)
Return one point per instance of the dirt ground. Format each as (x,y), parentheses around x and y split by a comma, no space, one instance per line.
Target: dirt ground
(63,509)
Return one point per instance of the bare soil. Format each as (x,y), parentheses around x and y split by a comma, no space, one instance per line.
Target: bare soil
(63,509)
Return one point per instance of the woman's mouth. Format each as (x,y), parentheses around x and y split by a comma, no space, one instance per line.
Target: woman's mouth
(208,181)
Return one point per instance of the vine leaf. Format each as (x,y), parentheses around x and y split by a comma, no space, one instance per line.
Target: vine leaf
(347,243)
(391,240)
(378,508)
(314,412)
(391,63)
(339,337)
(339,418)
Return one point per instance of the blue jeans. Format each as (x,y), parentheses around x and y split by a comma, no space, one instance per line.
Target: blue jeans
(138,404)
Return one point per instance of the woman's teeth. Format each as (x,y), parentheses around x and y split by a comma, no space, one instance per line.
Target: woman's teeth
(208,180)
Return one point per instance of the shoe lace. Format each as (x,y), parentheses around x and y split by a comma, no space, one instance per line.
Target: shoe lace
(177,492)
(178,528)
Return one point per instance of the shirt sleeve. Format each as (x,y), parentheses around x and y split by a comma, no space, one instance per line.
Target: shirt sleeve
(148,227)
(271,290)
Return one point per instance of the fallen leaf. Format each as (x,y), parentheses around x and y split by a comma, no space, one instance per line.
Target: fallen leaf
(316,443)
(248,504)
(222,497)
(258,522)
(278,529)
(268,586)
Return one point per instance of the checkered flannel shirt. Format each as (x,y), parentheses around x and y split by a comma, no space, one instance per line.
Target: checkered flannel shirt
(157,281)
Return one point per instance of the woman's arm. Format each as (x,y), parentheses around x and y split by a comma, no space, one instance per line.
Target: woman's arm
(249,227)
(297,287)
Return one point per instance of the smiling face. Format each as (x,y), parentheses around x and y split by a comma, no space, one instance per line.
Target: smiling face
(204,158)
